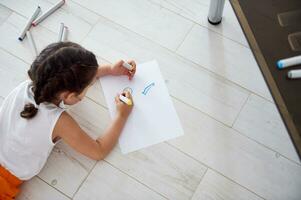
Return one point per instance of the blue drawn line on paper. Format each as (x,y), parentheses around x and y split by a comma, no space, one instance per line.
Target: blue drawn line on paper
(130,90)
(147,88)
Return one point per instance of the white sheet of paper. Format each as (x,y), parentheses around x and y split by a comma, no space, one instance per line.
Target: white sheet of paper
(153,118)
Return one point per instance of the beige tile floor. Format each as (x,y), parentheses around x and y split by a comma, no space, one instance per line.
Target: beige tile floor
(235,145)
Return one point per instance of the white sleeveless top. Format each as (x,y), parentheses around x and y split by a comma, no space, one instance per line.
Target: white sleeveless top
(25,144)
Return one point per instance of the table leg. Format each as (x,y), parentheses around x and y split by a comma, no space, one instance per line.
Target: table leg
(216,11)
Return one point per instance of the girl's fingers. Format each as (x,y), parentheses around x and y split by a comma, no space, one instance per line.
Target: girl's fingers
(128,94)
(117,100)
(131,62)
(129,75)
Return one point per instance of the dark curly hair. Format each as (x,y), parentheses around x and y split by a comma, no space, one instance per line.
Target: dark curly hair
(63,66)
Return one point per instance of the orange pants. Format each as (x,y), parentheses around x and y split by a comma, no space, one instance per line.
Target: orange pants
(9,185)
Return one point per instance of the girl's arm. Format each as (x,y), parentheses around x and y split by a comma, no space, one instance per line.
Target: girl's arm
(117,69)
(71,133)
(103,70)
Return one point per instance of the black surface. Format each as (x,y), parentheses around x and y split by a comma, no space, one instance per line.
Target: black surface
(272,39)
(214,23)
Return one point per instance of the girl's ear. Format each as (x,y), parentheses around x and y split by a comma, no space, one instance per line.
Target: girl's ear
(64,95)
(70,96)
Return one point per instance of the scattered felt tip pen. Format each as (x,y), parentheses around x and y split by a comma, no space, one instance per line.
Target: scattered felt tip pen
(287,62)
(63,33)
(28,23)
(125,100)
(48,12)
(294,74)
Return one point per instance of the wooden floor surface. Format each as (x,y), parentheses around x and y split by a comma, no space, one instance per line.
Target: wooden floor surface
(235,145)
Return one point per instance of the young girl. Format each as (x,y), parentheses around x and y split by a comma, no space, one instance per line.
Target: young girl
(33,117)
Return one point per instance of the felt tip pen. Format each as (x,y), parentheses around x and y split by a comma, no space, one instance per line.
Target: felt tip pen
(294,74)
(127,65)
(65,33)
(125,100)
(61,32)
(32,43)
(28,23)
(283,63)
(48,12)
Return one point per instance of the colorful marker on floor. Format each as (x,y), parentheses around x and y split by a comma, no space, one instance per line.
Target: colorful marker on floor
(284,63)
(294,74)
(61,32)
(125,100)
(65,33)
(48,12)
(28,23)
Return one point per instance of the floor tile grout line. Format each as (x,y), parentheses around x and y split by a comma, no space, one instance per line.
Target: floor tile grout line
(238,132)
(84,180)
(258,142)
(15,56)
(63,8)
(87,34)
(203,26)
(5,19)
(135,179)
(202,178)
(53,187)
(199,66)
(269,148)
(216,171)
(196,22)
(184,17)
(240,110)
(184,38)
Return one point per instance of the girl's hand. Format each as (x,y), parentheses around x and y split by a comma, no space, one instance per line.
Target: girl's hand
(124,110)
(117,69)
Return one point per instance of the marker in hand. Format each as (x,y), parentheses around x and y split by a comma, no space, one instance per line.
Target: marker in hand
(125,100)
(127,65)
